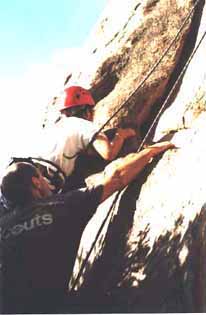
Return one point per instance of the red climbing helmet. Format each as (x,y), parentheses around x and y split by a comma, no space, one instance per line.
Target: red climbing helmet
(76,96)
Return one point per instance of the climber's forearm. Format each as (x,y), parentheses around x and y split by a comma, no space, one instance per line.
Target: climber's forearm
(121,172)
(108,150)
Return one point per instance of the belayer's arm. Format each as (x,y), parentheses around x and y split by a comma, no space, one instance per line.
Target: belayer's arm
(121,172)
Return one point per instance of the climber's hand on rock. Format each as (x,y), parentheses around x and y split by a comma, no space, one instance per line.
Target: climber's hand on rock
(160,147)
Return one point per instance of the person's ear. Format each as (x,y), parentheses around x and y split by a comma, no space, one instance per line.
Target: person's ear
(88,114)
(35,182)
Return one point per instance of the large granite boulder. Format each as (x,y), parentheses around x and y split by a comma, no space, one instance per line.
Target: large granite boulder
(150,254)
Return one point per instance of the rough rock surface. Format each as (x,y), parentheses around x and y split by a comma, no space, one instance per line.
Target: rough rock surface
(121,51)
(151,257)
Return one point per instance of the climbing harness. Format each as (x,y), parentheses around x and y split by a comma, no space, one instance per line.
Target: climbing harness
(48,169)
(148,132)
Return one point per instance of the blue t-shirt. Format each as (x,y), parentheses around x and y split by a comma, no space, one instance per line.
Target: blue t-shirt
(39,245)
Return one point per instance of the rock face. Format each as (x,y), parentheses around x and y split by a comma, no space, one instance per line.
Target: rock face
(123,49)
(150,256)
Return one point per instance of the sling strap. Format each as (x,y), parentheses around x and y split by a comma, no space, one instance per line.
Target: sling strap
(49,169)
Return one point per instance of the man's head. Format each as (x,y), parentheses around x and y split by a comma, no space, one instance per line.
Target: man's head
(78,102)
(23,183)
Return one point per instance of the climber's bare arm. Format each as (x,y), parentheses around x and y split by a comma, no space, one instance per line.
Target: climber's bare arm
(121,172)
(108,150)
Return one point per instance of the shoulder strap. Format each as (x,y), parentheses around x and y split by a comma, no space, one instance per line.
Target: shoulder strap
(51,170)
(32,159)
(58,168)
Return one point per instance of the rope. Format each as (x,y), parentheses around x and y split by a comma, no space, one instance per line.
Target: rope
(168,97)
(171,91)
(95,241)
(141,83)
(144,139)
(149,72)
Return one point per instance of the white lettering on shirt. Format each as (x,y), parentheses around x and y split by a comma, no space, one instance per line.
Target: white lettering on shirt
(36,221)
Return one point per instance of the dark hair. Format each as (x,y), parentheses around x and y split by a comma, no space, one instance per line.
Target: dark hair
(17,183)
(78,111)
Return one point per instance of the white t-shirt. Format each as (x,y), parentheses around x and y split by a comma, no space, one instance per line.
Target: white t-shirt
(67,138)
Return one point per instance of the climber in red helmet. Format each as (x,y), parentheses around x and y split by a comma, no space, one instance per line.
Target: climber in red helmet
(73,133)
